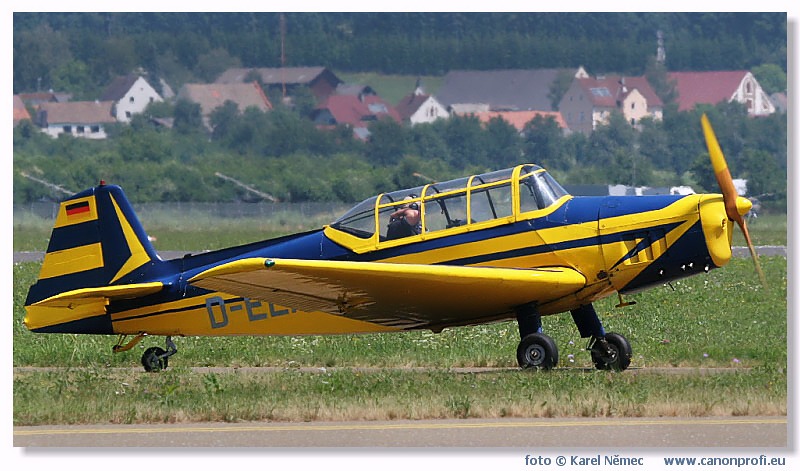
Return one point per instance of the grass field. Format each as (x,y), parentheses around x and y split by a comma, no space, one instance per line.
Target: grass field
(720,320)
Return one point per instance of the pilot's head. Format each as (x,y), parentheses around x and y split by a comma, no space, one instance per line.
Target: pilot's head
(414,206)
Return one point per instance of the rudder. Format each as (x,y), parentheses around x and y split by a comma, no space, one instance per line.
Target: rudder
(97,240)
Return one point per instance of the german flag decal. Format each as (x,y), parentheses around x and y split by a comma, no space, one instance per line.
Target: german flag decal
(76,211)
(77,208)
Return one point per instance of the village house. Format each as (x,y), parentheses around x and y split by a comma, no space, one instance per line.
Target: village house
(465,91)
(86,119)
(35,99)
(357,112)
(210,96)
(321,81)
(714,87)
(589,102)
(131,94)
(20,111)
(419,107)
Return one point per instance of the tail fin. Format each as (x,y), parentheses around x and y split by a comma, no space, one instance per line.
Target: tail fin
(97,241)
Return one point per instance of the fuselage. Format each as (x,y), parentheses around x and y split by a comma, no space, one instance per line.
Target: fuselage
(619,244)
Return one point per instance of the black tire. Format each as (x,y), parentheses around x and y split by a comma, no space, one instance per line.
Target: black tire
(153,359)
(537,351)
(619,358)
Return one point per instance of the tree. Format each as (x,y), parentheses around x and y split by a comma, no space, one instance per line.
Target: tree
(466,140)
(74,76)
(188,117)
(387,143)
(544,144)
(213,63)
(658,78)
(223,119)
(503,144)
(771,77)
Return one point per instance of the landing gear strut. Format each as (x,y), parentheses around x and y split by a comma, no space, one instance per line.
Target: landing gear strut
(610,351)
(535,350)
(155,359)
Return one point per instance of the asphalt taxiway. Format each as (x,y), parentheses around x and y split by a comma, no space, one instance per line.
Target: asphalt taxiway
(759,432)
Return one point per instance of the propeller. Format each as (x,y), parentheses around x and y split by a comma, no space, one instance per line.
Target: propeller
(734,208)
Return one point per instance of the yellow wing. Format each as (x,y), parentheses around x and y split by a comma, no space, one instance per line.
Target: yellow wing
(398,295)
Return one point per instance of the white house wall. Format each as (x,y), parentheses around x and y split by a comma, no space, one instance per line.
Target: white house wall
(428,112)
(752,95)
(136,100)
(76,130)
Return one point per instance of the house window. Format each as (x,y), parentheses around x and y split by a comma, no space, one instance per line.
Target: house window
(128,114)
(748,87)
(80,129)
(581,118)
(633,105)
(95,129)
(130,100)
(67,129)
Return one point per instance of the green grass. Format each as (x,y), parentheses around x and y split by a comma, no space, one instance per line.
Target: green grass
(178,395)
(722,319)
(767,229)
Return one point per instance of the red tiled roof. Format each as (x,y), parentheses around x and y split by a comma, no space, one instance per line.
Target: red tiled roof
(20,112)
(605,92)
(519,119)
(705,87)
(349,109)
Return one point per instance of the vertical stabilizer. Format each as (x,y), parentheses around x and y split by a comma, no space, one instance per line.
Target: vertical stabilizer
(97,241)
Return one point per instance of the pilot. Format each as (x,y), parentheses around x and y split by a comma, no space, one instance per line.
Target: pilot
(406,221)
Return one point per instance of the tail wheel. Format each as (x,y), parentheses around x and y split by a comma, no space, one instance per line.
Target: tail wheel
(612,352)
(537,351)
(154,359)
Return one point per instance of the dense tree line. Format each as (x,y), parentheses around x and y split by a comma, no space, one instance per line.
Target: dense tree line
(283,154)
(81,52)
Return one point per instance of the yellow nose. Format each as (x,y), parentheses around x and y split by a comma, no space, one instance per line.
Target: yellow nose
(717,228)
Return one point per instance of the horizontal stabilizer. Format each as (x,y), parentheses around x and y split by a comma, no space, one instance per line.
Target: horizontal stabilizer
(82,303)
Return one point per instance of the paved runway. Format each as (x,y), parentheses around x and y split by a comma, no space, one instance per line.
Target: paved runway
(760,432)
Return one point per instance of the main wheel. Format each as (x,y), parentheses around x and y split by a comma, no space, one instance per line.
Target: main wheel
(615,355)
(153,359)
(537,351)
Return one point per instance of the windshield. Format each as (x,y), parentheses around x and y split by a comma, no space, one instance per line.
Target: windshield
(459,202)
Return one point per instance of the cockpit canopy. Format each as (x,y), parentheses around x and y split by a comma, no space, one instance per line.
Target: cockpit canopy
(460,202)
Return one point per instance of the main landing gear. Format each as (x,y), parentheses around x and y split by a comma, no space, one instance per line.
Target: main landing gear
(610,351)
(154,358)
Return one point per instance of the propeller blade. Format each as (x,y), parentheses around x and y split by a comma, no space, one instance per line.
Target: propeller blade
(729,194)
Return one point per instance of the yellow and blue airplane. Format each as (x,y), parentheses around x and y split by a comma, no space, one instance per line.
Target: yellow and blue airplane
(510,244)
